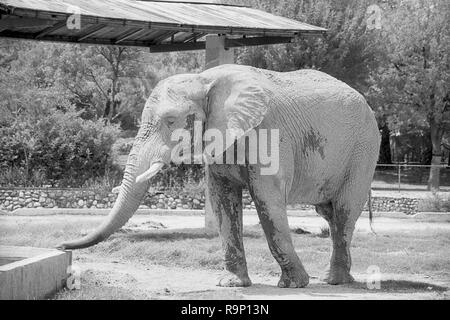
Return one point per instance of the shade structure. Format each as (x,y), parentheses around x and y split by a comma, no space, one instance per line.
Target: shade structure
(161,25)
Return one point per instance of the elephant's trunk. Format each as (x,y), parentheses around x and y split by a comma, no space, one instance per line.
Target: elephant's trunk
(128,200)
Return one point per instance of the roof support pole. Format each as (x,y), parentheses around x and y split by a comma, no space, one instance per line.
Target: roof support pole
(215,54)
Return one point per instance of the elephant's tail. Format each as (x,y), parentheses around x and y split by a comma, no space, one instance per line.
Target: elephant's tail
(369,205)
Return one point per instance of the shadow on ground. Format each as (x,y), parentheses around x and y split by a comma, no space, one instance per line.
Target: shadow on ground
(177,234)
(404,285)
(320,289)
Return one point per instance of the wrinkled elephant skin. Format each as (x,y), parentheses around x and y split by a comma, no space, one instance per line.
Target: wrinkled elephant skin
(328,147)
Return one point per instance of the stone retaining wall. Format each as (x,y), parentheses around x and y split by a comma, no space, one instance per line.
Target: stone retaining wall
(12,199)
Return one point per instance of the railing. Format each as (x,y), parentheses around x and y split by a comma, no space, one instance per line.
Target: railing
(409,177)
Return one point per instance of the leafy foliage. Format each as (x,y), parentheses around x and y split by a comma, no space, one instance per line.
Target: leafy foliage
(413,83)
(347,52)
(403,70)
(411,88)
(62,147)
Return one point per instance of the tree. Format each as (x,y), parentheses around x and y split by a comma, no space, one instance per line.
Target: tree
(117,62)
(28,84)
(114,82)
(346,52)
(385,146)
(101,79)
(414,81)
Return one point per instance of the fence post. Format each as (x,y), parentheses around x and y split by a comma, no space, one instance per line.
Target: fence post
(399,177)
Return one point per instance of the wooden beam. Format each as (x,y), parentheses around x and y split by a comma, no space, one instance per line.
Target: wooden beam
(73,39)
(212,3)
(51,29)
(255,41)
(194,37)
(229,43)
(129,35)
(164,36)
(92,31)
(186,46)
(12,22)
(164,47)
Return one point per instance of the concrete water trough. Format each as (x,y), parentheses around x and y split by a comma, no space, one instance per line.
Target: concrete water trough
(28,273)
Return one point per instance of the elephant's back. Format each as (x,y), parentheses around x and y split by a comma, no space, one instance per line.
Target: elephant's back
(318,93)
(317,84)
(311,77)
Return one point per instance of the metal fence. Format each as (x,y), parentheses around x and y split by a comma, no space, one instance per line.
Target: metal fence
(409,177)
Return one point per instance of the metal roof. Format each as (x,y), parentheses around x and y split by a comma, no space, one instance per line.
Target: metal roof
(162,25)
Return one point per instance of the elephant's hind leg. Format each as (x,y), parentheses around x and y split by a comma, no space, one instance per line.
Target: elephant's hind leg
(270,204)
(342,224)
(226,201)
(346,210)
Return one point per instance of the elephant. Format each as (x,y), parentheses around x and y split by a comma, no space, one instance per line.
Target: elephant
(328,148)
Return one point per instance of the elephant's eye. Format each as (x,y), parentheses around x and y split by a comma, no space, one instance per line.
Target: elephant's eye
(170,121)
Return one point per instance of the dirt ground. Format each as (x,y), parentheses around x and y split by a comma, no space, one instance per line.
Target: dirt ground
(109,277)
(157,282)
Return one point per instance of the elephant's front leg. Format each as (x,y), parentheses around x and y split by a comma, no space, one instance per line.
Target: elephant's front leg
(270,204)
(226,202)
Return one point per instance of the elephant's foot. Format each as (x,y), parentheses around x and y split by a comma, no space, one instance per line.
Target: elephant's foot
(233,280)
(338,275)
(293,278)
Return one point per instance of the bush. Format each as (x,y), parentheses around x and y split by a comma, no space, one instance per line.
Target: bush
(123,146)
(435,203)
(324,232)
(105,183)
(15,143)
(17,176)
(60,148)
(177,177)
(194,189)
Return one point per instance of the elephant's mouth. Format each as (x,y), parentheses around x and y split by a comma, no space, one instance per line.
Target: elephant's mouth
(151,172)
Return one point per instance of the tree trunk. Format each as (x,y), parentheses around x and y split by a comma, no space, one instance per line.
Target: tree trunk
(112,102)
(114,92)
(385,147)
(107,109)
(436,137)
(433,181)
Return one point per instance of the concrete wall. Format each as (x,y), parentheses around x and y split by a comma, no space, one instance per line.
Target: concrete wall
(12,199)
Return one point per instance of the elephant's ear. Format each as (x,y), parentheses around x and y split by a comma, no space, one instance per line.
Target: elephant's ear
(236,105)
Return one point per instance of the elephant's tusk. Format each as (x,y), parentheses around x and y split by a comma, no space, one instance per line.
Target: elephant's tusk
(116,189)
(154,169)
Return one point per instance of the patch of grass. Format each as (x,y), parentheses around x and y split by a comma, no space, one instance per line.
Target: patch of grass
(194,189)
(435,203)
(123,146)
(300,231)
(99,287)
(324,232)
(404,252)
(45,233)
(93,292)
